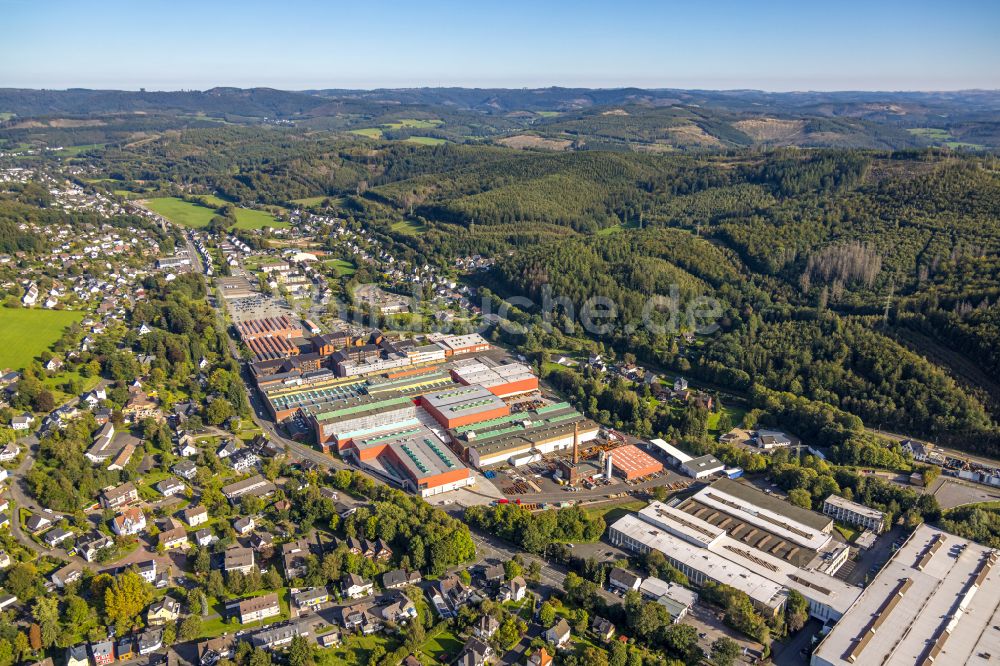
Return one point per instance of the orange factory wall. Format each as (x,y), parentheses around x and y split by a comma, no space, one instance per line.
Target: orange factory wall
(459,421)
(514,388)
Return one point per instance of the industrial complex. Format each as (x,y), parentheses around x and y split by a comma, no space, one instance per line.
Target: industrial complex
(937,601)
(731,533)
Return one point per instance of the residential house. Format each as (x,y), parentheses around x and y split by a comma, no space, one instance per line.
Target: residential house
(170,487)
(602,628)
(90,544)
(242,460)
(311,598)
(204,537)
(119,496)
(70,573)
(77,656)
(185,469)
(150,641)
(493,575)
(237,558)
(259,608)
(559,634)
(5,560)
(104,447)
(475,652)
(294,557)
(620,579)
(540,657)
(37,522)
(195,515)
(244,525)
(125,649)
(227,449)
(147,570)
(174,538)
(397,579)
(399,609)
(56,536)
(103,653)
(356,587)
(10,452)
(22,422)
(262,541)
(132,521)
(515,589)
(278,635)
(485,627)
(163,612)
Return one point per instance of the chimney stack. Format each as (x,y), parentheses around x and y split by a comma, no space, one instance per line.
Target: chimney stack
(576,444)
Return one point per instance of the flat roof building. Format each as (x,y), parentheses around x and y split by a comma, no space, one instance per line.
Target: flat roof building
(706,552)
(502,380)
(633,463)
(524,437)
(463,405)
(415,458)
(853,513)
(937,601)
(702,466)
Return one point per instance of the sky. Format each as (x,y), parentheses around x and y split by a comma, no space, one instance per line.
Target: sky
(307,44)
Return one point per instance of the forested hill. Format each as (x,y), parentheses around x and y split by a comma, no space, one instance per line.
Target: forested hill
(626,119)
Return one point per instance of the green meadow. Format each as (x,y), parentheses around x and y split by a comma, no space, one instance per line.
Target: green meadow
(425,140)
(192,215)
(410,227)
(27,333)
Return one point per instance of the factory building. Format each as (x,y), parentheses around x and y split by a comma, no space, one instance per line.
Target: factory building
(853,513)
(733,534)
(502,380)
(463,405)
(338,422)
(518,439)
(937,601)
(456,345)
(697,468)
(632,463)
(269,327)
(413,457)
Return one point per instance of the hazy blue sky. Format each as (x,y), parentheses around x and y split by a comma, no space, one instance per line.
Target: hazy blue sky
(295,44)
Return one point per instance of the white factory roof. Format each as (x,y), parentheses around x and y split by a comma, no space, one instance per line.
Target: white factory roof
(938,597)
(860,509)
(670,450)
(775,517)
(733,562)
(763,591)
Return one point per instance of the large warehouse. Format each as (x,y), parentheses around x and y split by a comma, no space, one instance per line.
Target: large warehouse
(358,417)
(517,439)
(633,463)
(415,458)
(502,380)
(736,535)
(937,601)
(462,405)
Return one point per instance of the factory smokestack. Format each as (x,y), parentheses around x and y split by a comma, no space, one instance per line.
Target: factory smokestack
(576,443)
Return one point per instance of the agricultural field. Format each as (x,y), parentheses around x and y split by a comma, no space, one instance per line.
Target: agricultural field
(27,333)
(414,123)
(192,215)
(316,201)
(370,132)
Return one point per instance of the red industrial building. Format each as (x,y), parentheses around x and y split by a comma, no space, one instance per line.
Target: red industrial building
(462,405)
(501,380)
(633,463)
(268,327)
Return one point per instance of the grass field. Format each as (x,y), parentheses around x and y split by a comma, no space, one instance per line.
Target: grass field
(72,151)
(607,231)
(410,227)
(548,114)
(27,333)
(315,201)
(414,123)
(425,140)
(342,266)
(192,215)
(370,132)
(612,512)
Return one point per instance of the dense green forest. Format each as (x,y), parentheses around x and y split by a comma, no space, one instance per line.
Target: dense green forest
(859,281)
